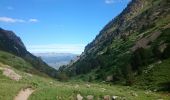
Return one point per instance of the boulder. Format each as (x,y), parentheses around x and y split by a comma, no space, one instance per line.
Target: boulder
(114,97)
(51,82)
(107,97)
(109,78)
(79,97)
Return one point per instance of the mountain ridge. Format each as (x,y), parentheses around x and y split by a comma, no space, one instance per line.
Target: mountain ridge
(11,43)
(127,45)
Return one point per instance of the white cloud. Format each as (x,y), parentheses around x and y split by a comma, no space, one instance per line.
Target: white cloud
(33,20)
(11,20)
(57,48)
(14,20)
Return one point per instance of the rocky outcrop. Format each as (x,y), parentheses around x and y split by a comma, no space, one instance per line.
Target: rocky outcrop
(116,26)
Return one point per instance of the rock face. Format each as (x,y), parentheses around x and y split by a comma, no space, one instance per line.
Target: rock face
(117,47)
(11,43)
(116,26)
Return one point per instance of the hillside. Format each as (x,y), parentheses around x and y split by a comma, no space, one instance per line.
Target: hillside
(130,47)
(11,43)
(128,60)
(43,87)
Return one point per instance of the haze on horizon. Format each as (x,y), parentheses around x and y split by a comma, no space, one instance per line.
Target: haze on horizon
(60,26)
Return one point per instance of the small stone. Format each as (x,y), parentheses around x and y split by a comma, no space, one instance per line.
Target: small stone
(107,97)
(114,97)
(79,97)
(155,90)
(159,62)
(109,78)
(90,97)
(148,92)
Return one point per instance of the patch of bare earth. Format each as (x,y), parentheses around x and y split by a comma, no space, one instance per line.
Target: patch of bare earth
(8,72)
(11,74)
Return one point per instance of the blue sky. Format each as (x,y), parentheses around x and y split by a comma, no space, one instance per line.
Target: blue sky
(62,26)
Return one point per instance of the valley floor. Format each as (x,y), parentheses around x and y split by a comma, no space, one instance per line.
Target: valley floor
(46,88)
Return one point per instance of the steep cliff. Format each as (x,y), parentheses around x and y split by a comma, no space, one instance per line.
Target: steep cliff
(127,45)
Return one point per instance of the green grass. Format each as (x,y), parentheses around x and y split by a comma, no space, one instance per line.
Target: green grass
(14,61)
(8,87)
(47,88)
(68,91)
(155,77)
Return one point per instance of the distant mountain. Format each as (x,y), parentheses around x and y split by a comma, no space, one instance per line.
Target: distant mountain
(11,43)
(56,60)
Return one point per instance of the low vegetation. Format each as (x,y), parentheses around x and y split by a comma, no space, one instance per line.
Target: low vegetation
(47,88)
(127,46)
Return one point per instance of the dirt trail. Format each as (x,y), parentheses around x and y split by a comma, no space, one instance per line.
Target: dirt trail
(24,94)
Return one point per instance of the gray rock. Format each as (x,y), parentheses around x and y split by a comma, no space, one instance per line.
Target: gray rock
(107,97)
(51,82)
(79,97)
(109,78)
(114,97)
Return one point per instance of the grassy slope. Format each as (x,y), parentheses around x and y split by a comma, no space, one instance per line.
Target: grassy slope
(14,61)
(113,54)
(157,74)
(50,89)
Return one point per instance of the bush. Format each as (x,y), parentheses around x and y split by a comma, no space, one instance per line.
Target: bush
(129,75)
(166,53)
(62,76)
